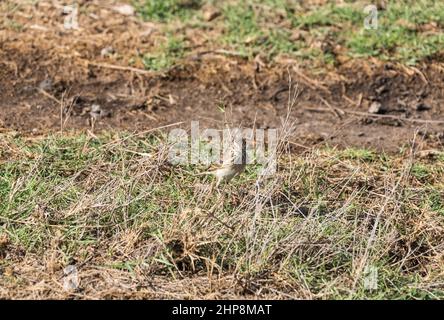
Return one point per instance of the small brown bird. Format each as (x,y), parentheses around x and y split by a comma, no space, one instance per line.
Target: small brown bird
(232,167)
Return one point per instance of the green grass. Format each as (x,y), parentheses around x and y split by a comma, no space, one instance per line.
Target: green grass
(328,15)
(359,154)
(397,38)
(245,33)
(115,203)
(436,202)
(166,10)
(166,55)
(268,27)
(420,171)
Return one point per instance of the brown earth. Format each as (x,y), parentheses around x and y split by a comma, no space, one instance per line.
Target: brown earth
(50,78)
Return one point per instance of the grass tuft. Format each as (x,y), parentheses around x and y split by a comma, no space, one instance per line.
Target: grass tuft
(115,204)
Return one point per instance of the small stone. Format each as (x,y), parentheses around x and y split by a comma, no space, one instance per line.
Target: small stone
(96,111)
(210,14)
(376,108)
(95,108)
(171,100)
(107,51)
(71,278)
(124,9)
(45,85)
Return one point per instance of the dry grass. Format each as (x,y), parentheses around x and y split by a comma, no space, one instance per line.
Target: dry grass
(137,227)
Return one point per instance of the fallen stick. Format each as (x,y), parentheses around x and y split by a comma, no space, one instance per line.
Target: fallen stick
(116,67)
(336,111)
(386,116)
(46,94)
(310,82)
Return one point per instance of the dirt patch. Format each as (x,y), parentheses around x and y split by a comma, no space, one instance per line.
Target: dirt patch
(201,90)
(50,81)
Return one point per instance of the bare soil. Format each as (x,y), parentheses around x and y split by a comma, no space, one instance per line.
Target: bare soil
(50,78)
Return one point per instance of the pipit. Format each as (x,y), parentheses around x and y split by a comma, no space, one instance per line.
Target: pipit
(232,167)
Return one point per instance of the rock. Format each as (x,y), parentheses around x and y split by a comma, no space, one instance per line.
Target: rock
(96,111)
(124,9)
(171,100)
(376,108)
(107,51)
(96,108)
(211,13)
(71,278)
(45,85)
